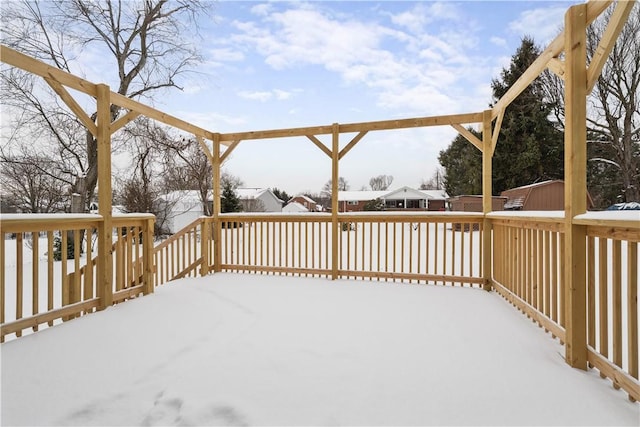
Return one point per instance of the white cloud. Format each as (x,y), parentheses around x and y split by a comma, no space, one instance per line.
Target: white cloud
(261,9)
(498,41)
(543,24)
(417,19)
(264,96)
(410,73)
(226,55)
(258,96)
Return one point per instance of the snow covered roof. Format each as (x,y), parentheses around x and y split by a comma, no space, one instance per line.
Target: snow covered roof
(360,196)
(294,207)
(402,192)
(436,194)
(302,196)
(253,193)
(185,196)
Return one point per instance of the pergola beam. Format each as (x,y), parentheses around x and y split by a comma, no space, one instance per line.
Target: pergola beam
(123,121)
(357,127)
(73,105)
(351,144)
(468,136)
(229,149)
(608,41)
(320,145)
(594,9)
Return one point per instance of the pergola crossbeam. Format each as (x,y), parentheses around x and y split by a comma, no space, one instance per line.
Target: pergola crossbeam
(123,121)
(357,127)
(351,144)
(557,67)
(594,9)
(607,42)
(468,136)
(320,145)
(229,149)
(73,105)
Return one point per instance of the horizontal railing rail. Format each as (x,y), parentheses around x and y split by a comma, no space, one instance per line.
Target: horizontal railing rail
(49,265)
(528,270)
(408,247)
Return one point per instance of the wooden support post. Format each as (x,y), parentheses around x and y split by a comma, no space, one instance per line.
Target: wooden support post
(147,253)
(487,198)
(105,237)
(217,233)
(205,244)
(575,187)
(335,233)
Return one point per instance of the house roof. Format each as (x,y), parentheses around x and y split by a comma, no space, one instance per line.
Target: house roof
(294,207)
(185,196)
(536,184)
(253,193)
(436,194)
(302,196)
(399,193)
(360,196)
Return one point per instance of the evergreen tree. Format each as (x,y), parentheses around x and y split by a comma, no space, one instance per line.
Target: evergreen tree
(462,163)
(281,194)
(530,147)
(229,201)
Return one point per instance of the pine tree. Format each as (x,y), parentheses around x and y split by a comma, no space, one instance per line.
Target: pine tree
(462,163)
(530,146)
(229,201)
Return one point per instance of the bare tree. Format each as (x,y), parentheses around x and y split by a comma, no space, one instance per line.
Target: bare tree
(28,183)
(188,168)
(147,43)
(380,182)
(613,114)
(343,185)
(435,182)
(252,205)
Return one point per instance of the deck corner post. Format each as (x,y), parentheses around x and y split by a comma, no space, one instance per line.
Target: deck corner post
(147,250)
(575,189)
(335,234)
(104,279)
(487,198)
(205,244)
(217,232)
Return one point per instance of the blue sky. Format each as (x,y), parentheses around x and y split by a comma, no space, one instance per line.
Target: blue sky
(272,65)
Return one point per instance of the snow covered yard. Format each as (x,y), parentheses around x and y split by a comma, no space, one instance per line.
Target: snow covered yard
(234,349)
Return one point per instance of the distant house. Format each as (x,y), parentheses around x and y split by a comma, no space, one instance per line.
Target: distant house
(259,200)
(306,202)
(404,198)
(473,203)
(294,207)
(541,196)
(178,209)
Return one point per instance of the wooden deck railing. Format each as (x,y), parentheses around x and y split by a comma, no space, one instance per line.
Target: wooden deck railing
(53,277)
(528,270)
(527,264)
(428,248)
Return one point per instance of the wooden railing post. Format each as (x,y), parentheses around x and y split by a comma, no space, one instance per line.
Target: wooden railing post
(104,277)
(205,241)
(575,187)
(217,233)
(147,254)
(335,233)
(487,198)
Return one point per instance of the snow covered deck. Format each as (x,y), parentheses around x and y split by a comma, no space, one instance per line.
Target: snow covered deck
(232,349)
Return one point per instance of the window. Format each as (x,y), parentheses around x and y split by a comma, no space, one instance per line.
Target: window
(352,202)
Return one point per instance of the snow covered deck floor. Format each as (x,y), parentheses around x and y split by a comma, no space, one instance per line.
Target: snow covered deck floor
(233,349)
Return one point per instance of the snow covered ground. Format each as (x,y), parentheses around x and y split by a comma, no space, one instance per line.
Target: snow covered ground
(233,349)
